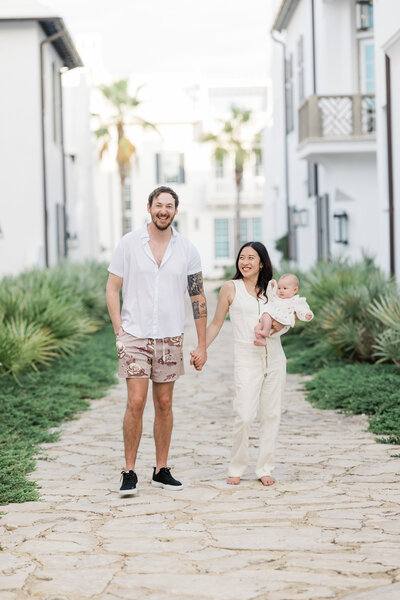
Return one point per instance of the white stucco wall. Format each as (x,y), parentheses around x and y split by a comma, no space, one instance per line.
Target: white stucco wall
(82,214)
(21,199)
(353,171)
(387,41)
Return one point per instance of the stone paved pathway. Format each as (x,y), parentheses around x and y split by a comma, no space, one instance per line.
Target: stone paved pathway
(329,528)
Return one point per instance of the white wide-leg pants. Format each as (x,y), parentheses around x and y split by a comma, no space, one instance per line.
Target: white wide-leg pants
(260,375)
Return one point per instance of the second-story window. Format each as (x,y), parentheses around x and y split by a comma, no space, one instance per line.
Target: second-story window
(367,66)
(219,167)
(170,167)
(258,163)
(289,93)
(300,68)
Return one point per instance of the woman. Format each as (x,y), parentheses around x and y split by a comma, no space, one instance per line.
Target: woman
(259,371)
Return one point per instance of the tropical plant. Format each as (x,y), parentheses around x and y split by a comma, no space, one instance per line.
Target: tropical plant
(236,140)
(386,310)
(123,104)
(44,313)
(340,294)
(24,345)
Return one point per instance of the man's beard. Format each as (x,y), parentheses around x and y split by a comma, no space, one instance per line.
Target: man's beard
(162,227)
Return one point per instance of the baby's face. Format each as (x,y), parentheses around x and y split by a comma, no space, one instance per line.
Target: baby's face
(286,288)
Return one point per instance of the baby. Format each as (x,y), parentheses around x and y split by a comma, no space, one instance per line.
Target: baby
(283,303)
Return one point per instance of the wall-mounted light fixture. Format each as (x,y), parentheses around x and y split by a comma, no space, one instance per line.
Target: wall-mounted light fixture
(341,227)
(365,15)
(1,233)
(300,217)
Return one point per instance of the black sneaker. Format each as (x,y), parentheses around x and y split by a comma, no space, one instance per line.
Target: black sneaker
(164,479)
(128,483)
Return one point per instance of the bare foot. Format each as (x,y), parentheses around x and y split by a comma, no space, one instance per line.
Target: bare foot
(233,480)
(267,480)
(260,343)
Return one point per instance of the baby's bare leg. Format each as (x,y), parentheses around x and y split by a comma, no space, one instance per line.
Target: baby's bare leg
(262,330)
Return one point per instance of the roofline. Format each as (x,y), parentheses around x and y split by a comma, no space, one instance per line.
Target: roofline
(63,45)
(284,14)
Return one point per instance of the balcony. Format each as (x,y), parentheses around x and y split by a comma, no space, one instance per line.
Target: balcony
(221,193)
(342,123)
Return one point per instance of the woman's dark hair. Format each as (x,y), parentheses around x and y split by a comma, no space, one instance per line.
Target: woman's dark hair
(266,271)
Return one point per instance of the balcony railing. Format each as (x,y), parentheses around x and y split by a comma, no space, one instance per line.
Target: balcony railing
(337,117)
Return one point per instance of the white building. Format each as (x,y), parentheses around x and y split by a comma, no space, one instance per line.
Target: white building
(321,146)
(42,195)
(387,48)
(176,157)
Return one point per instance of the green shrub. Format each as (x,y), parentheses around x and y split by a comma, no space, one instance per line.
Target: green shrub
(304,355)
(48,312)
(42,400)
(341,295)
(24,345)
(361,388)
(386,310)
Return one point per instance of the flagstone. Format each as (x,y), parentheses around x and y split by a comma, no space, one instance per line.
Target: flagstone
(328,528)
(389,592)
(83,583)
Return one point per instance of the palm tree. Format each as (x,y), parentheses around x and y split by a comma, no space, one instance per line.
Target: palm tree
(232,141)
(118,95)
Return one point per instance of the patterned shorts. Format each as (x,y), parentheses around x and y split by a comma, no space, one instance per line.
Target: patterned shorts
(160,360)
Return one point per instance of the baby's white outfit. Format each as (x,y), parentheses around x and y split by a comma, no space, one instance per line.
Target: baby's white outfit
(283,309)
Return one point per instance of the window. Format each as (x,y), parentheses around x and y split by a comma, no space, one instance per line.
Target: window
(367,67)
(128,194)
(250,230)
(258,163)
(243,231)
(257,229)
(300,68)
(311,179)
(170,168)
(127,224)
(219,167)
(221,237)
(289,93)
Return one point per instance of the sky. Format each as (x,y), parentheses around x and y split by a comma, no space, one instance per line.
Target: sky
(223,38)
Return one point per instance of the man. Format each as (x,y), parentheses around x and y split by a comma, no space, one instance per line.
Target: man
(154,266)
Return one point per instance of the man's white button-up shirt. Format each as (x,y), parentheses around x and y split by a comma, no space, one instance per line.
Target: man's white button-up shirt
(154,297)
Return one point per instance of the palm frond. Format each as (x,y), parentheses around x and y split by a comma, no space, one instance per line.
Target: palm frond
(386,310)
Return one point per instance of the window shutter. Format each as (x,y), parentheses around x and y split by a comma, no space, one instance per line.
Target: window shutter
(181,168)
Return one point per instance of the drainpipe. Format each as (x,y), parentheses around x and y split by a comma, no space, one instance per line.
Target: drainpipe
(290,237)
(42,93)
(64,182)
(390,163)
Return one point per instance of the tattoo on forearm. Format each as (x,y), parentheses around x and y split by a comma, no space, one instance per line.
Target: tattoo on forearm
(199,309)
(195,284)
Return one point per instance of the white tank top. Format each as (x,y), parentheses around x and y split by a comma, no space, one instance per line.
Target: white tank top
(244,313)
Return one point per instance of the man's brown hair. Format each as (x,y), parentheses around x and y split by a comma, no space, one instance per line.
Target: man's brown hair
(163,190)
